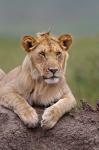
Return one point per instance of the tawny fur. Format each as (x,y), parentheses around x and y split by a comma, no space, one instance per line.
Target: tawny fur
(32,82)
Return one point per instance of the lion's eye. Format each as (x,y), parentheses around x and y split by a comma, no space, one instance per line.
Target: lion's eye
(58,53)
(42,54)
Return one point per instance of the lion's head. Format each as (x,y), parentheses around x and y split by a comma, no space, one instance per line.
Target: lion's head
(48,55)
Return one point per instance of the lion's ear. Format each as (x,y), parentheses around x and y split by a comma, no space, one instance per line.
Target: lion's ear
(28,43)
(65,41)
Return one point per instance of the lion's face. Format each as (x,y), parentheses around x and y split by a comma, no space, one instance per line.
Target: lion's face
(48,56)
(48,61)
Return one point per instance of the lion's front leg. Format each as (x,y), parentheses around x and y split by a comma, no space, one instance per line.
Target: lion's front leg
(20,106)
(53,113)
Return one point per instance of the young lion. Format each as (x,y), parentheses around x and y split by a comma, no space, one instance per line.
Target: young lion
(39,80)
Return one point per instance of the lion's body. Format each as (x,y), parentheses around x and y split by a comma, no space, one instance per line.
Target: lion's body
(31,84)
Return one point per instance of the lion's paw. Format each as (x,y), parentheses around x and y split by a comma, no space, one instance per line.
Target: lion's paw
(30,118)
(49,118)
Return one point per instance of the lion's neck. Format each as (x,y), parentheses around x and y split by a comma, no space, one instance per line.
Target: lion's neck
(29,67)
(44,94)
(26,64)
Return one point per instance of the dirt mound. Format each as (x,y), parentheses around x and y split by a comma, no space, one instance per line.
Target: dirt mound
(75,131)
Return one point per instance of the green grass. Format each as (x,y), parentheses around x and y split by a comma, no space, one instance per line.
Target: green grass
(11,53)
(82,69)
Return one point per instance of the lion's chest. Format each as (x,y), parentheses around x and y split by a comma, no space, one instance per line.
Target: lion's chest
(45,95)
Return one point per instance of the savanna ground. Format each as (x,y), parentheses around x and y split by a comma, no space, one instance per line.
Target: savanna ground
(82,69)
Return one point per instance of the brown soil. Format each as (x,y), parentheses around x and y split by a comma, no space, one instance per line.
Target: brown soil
(78,130)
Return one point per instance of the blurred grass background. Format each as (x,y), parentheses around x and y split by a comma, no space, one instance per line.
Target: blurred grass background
(82,69)
(80,18)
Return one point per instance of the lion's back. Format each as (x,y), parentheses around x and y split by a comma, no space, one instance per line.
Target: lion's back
(13,74)
(2,74)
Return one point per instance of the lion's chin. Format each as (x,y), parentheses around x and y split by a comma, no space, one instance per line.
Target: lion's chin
(52,80)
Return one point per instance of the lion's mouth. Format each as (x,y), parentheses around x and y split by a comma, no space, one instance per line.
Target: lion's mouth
(51,80)
(52,77)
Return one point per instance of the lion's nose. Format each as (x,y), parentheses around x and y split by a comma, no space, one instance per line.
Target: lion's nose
(53,70)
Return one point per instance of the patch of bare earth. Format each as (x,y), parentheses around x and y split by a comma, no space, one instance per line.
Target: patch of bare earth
(78,130)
